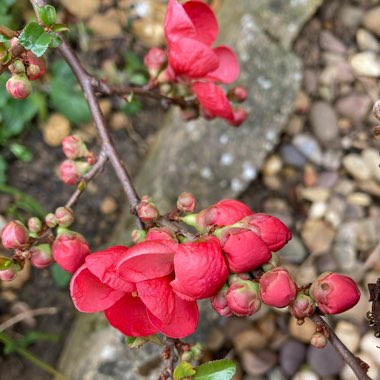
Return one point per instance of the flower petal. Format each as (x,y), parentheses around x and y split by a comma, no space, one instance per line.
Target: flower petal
(89,294)
(158,297)
(129,315)
(213,99)
(191,58)
(184,322)
(147,260)
(103,265)
(204,21)
(228,69)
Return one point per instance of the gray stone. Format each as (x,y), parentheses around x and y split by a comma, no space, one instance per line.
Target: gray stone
(292,156)
(354,106)
(309,147)
(366,63)
(292,355)
(294,251)
(258,362)
(367,41)
(371,20)
(350,16)
(357,167)
(344,249)
(329,42)
(325,362)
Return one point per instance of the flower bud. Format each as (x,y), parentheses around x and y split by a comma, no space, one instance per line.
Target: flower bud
(10,273)
(243,298)
(334,293)
(37,66)
(17,67)
(238,277)
(41,256)
(15,235)
(51,220)
(240,115)
(303,306)
(70,250)
(219,302)
(160,233)
(197,350)
(71,171)
(155,60)
(318,340)
(273,262)
(138,236)
(376,109)
(186,202)
(147,210)
(277,288)
(64,216)
(74,147)
(34,225)
(19,86)
(238,94)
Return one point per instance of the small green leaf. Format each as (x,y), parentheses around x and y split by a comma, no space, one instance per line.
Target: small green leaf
(5,262)
(59,28)
(134,342)
(6,58)
(55,41)
(133,107)
(34,38)
(60,277)
(21,152)
(48,15)
(183,369)
(3,38)
(216,370)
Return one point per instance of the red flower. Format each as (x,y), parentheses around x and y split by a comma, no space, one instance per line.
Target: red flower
(334,293)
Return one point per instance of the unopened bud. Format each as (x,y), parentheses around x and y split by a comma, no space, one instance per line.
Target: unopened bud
(240,115)
(34,225)
(376,109)
(19,86)
(186,202)
(64,216)
(51,220)
(155,61)
(219,302)
(303,306)
(37,66)
(138,236)
(318,340)
(187,356)
(197,350)
(243,298)
(146,210)
(15,235)
(10,273)
(238,94)
(17,67)
(41,256)
(70,171)
(74,147)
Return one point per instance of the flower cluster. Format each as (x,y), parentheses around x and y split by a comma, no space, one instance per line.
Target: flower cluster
(191,29)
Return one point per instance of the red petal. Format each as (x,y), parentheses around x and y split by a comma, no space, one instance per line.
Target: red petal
(184,322)
(213,99)
(204,21)
(158,297)
(129,315)
(191,58)
(147,260)
(177,22)
(89,294)
(103,265)
(228,69)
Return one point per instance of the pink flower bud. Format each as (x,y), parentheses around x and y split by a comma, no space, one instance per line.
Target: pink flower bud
(71,171)
(19,86)
(160,233)
(277,288)
(243,298)
(41,256)
(239,117)
(303,306)
(10,273)
(17,67)
(70,250)
(244,249)
(37,66)
(64,216)
(138,236)
(219,302)
(271,230)
(74,147)
(34,225)
(318,340)
(146,210)
(155,60)
(51,220)
(334,293)
(15,235)
(238,94)
(186,202)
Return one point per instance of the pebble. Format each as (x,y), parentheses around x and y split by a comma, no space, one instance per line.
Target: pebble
(371,20)
(249,340)
(294,126)
(344,186)
(332,158)
(268,325)
(327,179)
(359,199)
(294,251)
(272,165)
(344,249)
(276,374)
(310,175)
(292,355)
(354,106)
(302,333)
(367,234)
(326,263)
(350,16)
(317,235)
(367,41)
(315,194)
(108,205)
(317,210)
(324,122)
(368,345)
(335,211)
(309,147)
(366,63)
(305,374)
(349,334)
(325,362)
(55,129)
(372,159)
(258,362)
(215,339)
(302,103)
(291,156)
(328,41)
(357,167)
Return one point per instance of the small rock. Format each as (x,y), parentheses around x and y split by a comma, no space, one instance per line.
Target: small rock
(359,199)
(305,374)
(273,182)
(335,211)
(366,63)
(107,25)
(302,332)
(309,175)
(324,122)
(309,147)
(317,235)
(326,263)
(329,42)
(371,20)
(294,251)
(294,126)
(108,206)
(369,345)
(276,374)
(291,156)
(272,165)
(325,362)
(344,249)
(331,159)
(357,167)
(55,129)
(292,355)
(315,194)
(367,41)
(349,334)
(317,210)
(327,179)
(81,9)
(268,326)
(372,159)
(249,340)
(367,235)
(350,16)
(235,325)
(310,81)
(258,362)
(344,186)
(215,339)
(302,103)
(119,120)
(355,107)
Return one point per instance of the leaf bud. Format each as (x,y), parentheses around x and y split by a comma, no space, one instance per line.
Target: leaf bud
(70,171)
(10,273)
(243,298)
(240,115)
(219,302)
(318,340)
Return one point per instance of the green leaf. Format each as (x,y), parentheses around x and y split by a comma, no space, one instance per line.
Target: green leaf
(60,277)
(5,262)
(133,107)
(55,41)
(137,342)
(3,38)
(183,369)
(3,168)
(216,370)
(48,15)
(21,152)
(34,38)
(59,28)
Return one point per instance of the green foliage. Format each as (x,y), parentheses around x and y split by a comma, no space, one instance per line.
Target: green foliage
(34,38)
(29,338)
(48,15)
(60,277)
(137,342)
(183,370)
(5,262)
(216,370)
(5,15)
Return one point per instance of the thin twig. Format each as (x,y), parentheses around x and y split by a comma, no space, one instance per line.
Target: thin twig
(27,314)
(5,31)
(354,362)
